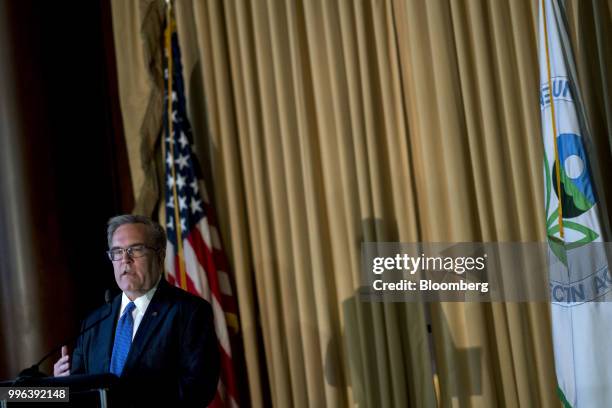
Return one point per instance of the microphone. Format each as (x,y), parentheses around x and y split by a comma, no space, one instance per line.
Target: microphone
(34,370)
(107,296)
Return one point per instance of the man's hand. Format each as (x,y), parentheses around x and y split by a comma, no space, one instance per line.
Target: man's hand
(61,368)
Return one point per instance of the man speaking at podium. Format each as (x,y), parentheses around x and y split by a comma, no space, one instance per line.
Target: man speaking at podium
(158,339)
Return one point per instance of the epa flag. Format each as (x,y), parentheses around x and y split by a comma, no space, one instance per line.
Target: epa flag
(581,321)
(195,260)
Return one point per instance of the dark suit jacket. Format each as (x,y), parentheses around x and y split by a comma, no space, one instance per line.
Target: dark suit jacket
(173,359)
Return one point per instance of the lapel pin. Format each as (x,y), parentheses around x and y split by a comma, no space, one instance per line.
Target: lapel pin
(154,313)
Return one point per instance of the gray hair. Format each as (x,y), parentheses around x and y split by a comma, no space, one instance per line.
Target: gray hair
(155,232)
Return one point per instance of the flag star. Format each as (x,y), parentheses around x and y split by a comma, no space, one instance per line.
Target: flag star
(170,181)
(166,73)
(173,96)
(174,118)
(180,181)
(170,140)
(169,160)
(182,203)
(183,225)
(183,140)
(182,161)
(170,203)
(196,205)
(170,224)
(194,186)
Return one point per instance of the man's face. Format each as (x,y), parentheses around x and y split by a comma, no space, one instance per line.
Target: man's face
(135,276)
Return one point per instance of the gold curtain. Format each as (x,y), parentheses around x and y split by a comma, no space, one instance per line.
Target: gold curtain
(324,124)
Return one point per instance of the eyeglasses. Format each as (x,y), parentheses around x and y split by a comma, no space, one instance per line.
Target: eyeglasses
(135,251)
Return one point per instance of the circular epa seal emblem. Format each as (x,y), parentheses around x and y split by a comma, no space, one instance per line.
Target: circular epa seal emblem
(577,196)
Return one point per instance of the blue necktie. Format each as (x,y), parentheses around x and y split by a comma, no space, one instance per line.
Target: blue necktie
(123,340)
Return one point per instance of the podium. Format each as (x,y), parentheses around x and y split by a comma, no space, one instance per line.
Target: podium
(95,391)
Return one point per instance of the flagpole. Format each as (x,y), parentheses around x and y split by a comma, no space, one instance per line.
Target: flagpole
(177,216)
(554,123)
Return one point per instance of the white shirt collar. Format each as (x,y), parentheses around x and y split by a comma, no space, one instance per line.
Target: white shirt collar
(141,302)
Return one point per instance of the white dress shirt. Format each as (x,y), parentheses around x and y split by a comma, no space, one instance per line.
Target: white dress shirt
(141,304)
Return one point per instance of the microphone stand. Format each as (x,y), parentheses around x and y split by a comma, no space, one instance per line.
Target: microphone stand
(34,371)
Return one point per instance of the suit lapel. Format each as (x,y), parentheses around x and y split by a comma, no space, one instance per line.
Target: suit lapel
(107,335)
(153,317)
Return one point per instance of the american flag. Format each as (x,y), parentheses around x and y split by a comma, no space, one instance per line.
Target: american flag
(195,262)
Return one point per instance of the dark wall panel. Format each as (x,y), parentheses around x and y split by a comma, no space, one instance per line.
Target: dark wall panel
(74,157)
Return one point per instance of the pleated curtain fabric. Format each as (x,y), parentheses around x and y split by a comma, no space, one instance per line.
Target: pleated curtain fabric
(325,124)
